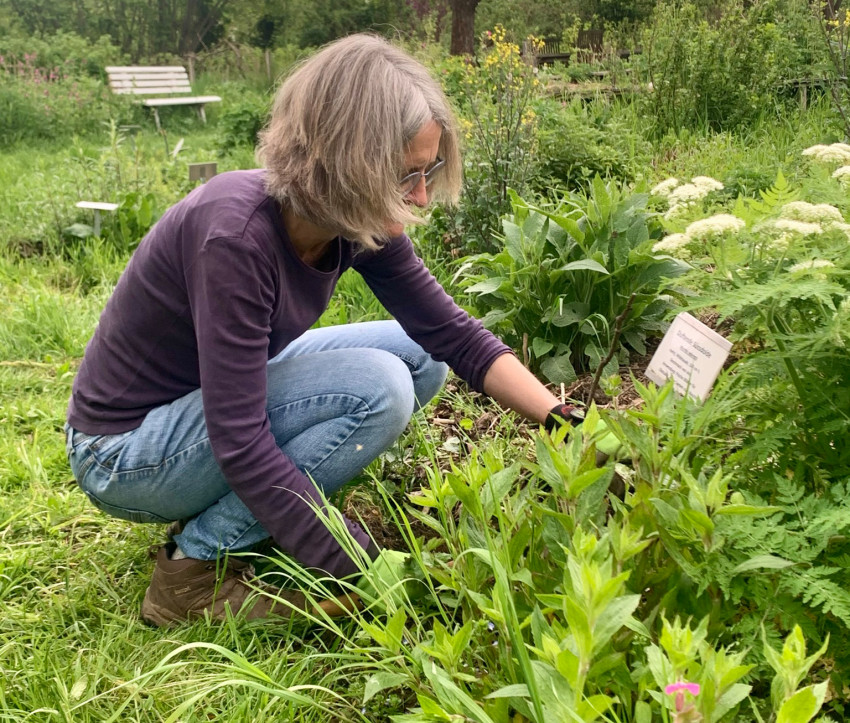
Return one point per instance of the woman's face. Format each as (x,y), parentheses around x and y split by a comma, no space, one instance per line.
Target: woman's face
(420,154)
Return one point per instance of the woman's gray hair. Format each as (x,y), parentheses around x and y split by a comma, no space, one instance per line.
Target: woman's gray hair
(335,145)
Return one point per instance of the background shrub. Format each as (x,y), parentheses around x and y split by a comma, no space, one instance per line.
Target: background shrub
(52,88)
(726,72)
(241,120)
(578,141)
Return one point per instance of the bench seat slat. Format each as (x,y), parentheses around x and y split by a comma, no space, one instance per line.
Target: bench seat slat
(154,82)
(145,69)
(157,102)
(149,78)
(150,91)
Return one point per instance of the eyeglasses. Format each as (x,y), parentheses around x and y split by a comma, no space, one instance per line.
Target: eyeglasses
(411,180)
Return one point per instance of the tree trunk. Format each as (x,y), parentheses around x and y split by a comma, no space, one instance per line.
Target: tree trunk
(463,27)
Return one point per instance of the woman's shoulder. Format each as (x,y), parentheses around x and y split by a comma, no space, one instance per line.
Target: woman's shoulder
(234,205)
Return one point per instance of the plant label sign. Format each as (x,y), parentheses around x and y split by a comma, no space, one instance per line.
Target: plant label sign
(692,354)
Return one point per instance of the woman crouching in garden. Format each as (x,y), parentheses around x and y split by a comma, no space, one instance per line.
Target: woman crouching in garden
(203,396)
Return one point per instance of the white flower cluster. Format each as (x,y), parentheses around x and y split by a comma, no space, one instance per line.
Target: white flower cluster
(707,182)
(680,196)
(811,212)
(842,175)
(673,242)
(701,230)
(686,193)
(828,217)
(717,225)
(664,188)
(798,227)
(833,153)
(811,265)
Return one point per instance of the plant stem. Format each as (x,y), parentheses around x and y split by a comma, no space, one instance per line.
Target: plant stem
(618,327)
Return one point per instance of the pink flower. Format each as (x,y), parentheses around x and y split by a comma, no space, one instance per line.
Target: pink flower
(692,688)
(679,689)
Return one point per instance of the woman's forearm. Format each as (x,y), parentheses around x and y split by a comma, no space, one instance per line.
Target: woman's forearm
(513,386)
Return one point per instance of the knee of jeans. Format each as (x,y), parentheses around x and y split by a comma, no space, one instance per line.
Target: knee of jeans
(391,389)
(429,380)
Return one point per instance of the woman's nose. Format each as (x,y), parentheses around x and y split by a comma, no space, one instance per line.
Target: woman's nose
(418,195)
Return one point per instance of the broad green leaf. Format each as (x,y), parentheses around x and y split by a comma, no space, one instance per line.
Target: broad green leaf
(145,212)
(594,706)
(554,689)
(381,681)
(803,705)
(752,510)
(488,286)
(540,347)
(733,695)
(452,696)
(581,482)
(395,630)
(637,234)
(432,708)
(558,369)
(643,712)
(573,312)
(513,240)
(616,615)
(621,250)
(467,496)
(763,562)
(601,197)
(567,664)
(585,265)
(699,520)
(494,316)
(636,626)
(517,690)
(497,486)
(635,340)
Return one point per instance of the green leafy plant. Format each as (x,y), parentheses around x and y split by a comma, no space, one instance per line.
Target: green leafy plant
(566,273)
(240,123)
(499,128)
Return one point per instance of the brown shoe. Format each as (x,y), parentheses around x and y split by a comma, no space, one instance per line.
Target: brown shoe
(184,589)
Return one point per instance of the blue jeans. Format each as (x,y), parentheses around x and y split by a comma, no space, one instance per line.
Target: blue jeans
(164,470)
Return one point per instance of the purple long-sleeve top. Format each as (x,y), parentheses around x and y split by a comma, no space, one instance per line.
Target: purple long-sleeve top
(210,295)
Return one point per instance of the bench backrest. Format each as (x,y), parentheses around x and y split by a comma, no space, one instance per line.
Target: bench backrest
(590,39)
(148,80)
(551,46)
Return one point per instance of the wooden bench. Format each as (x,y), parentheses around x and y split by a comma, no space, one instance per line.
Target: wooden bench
(547,53)
(589,44)
(171,81)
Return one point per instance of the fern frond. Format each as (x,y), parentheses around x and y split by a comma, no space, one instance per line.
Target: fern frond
(774,197)
(817,591)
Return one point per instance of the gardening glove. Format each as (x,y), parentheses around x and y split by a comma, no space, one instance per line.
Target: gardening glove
(390,576)
(607,444)
(563,413)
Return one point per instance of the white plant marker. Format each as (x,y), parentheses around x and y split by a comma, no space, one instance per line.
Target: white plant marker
(690,353)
